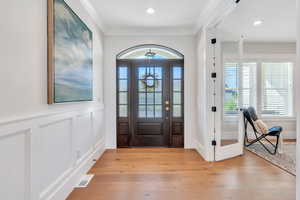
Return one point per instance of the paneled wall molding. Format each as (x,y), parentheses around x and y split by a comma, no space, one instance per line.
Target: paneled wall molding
(51,112)
(66,186)
(51,189)
(23,137)
(44,155)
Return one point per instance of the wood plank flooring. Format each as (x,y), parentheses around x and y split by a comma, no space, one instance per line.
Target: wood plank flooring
(178,174)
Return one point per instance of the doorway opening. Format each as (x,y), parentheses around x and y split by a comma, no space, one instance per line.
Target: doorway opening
(150,97)
(254,93)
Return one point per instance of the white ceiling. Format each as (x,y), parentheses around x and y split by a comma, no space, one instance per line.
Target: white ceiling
(178,16)
(278,16)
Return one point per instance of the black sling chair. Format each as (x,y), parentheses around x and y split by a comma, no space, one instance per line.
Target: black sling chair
(249,117)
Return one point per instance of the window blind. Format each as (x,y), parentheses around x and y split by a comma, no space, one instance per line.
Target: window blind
(277,89)
(239,86)
(248,85)
(231,87)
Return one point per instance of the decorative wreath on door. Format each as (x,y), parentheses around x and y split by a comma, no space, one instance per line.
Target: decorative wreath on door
(149,82)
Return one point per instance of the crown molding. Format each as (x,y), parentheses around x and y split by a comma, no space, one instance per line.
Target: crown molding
(184,31)
(215,11)
(94,15)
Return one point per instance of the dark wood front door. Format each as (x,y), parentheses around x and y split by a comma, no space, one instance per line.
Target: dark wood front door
(150,103)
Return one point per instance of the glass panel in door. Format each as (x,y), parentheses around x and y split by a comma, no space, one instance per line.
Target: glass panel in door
(150,94)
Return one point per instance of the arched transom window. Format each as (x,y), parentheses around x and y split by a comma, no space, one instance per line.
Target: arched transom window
(141,51)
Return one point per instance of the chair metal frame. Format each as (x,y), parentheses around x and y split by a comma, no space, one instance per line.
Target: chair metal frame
(259,136)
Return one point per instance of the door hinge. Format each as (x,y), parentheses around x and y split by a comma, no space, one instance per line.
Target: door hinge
(214,75)
(214,40)
(214,109)
(214,143)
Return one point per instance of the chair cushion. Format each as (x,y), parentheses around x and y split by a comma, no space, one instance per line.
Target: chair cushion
(261,126)
(276,130)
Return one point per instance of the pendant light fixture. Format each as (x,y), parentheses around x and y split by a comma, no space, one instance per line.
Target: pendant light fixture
(149,80)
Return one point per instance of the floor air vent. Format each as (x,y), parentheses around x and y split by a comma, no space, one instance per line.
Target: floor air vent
(84,181)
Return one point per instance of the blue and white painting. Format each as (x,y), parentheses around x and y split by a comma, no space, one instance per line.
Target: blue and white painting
(73,56)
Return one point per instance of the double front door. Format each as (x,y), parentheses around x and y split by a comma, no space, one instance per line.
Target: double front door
(150,103)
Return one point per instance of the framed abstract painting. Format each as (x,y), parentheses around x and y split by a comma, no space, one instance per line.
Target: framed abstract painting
(70,55)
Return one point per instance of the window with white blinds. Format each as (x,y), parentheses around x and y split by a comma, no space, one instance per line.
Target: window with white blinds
(248,85)
(231,71)
(239,86)
(277,89)
(267,86)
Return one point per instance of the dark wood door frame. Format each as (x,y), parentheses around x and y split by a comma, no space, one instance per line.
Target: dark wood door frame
(127,125)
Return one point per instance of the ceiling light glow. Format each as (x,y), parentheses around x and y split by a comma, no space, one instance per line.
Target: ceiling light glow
(257,23)
(150,11)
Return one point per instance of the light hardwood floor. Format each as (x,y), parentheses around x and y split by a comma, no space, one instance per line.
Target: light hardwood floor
(178,174)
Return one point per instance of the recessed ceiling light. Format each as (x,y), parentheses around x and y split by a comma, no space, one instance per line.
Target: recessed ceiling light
(150,11)
(257,23)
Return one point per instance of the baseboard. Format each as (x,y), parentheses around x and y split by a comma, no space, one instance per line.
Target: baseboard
(110,147)
(289,135)
(201,150)
(67,186)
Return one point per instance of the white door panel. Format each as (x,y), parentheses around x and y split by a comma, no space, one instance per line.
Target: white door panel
(226,151)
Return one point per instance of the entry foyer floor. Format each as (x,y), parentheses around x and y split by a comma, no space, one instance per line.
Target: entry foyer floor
(178,174)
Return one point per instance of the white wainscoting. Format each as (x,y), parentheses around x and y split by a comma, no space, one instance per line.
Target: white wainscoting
(43,156)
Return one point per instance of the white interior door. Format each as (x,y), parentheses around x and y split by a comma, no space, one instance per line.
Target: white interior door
(230,90)
(234,145)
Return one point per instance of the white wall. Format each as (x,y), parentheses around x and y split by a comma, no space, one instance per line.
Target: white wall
(298,106)
(202,137)
(43,149)
(115,44)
